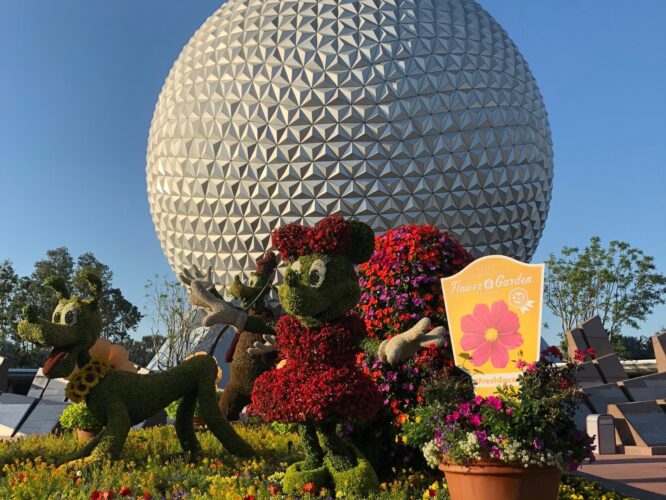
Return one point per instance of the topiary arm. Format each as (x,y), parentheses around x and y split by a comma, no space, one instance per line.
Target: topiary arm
(405,345)
(202,293)
(257,324)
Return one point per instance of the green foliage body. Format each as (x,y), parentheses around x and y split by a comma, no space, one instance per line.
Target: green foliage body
(245,367)
(318,288)
(121,399)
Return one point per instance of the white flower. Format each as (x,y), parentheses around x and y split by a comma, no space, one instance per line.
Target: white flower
(431,453)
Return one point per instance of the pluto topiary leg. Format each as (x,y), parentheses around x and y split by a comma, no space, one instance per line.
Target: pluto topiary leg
(114,434)
(218,425)
(185,425)
(84,451)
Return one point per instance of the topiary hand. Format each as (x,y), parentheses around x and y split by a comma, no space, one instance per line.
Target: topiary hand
(263,348)
(406,344)
(202,293)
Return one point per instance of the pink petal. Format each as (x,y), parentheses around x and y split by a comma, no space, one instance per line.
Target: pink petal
(470,341)
(471,324)
(482,313)
(499,356)
(510,340)
(480,356)
(508,323)
(498,311)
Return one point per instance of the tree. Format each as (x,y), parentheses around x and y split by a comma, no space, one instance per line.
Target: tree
(628,347)
(619,283)
(173,322)
(8,282)
(119,316)
(142,351)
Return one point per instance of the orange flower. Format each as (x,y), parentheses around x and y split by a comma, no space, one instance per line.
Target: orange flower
(310,488)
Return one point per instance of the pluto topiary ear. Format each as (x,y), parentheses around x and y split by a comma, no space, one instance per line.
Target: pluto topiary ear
(93,283)
(58,285)
(362,242)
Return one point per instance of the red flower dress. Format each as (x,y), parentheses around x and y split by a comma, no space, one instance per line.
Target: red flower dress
(320,381)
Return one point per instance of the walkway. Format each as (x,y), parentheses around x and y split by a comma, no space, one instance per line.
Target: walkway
(637,476)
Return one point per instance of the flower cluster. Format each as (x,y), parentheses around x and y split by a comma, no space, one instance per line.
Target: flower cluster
(153,467)
(400,284)
(401,384)
(320,373)
(529,426)
(86,378)
(331,235)
(334,342)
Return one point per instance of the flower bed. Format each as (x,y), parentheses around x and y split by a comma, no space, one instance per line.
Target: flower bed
(153,468)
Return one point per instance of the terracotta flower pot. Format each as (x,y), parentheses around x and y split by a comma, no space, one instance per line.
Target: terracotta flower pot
(83,435)
(499,481)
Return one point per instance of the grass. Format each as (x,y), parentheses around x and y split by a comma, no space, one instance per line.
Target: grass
(153,467)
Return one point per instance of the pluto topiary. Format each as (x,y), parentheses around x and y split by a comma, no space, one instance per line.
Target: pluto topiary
(118,399)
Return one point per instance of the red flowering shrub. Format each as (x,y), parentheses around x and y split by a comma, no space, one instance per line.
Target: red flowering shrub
(331,236)
(334,342)
(290,241)
(294,394)
(400,283)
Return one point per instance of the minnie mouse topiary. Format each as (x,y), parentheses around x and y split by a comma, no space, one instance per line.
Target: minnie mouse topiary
(318,383)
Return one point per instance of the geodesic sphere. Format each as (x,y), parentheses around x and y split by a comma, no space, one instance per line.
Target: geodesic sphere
(395,112)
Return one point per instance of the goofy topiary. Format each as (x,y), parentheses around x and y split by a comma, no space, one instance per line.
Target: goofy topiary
(317,384)
(119,399)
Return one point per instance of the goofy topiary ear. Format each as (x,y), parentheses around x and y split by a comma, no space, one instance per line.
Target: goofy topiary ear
(93,283)
(362,242)
(58,285)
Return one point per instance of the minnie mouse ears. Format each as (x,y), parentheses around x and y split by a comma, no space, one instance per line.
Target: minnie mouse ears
(332,235)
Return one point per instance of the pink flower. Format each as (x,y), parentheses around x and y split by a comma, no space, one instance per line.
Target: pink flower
(495,402)
(491,333)
(475,419)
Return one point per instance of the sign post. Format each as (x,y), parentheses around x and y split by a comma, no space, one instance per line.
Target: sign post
(493,307)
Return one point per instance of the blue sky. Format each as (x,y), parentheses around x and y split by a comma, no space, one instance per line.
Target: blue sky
(79,81)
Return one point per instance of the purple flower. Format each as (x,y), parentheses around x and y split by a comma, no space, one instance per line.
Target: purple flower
(537,444)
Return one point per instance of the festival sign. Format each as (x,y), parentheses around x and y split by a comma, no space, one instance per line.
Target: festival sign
(493,307)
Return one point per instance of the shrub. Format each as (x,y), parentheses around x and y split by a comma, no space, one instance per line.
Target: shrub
(400,283)
(78,416)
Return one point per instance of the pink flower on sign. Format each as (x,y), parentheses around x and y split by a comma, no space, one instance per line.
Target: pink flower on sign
(490,333)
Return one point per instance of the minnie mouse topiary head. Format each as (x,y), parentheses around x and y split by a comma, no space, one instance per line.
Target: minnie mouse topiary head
(320,283)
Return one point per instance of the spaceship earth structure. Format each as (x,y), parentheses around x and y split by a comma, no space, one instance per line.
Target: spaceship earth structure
(392,111)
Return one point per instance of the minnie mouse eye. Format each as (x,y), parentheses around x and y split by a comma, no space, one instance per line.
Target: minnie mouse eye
(296,267)
(317,273)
